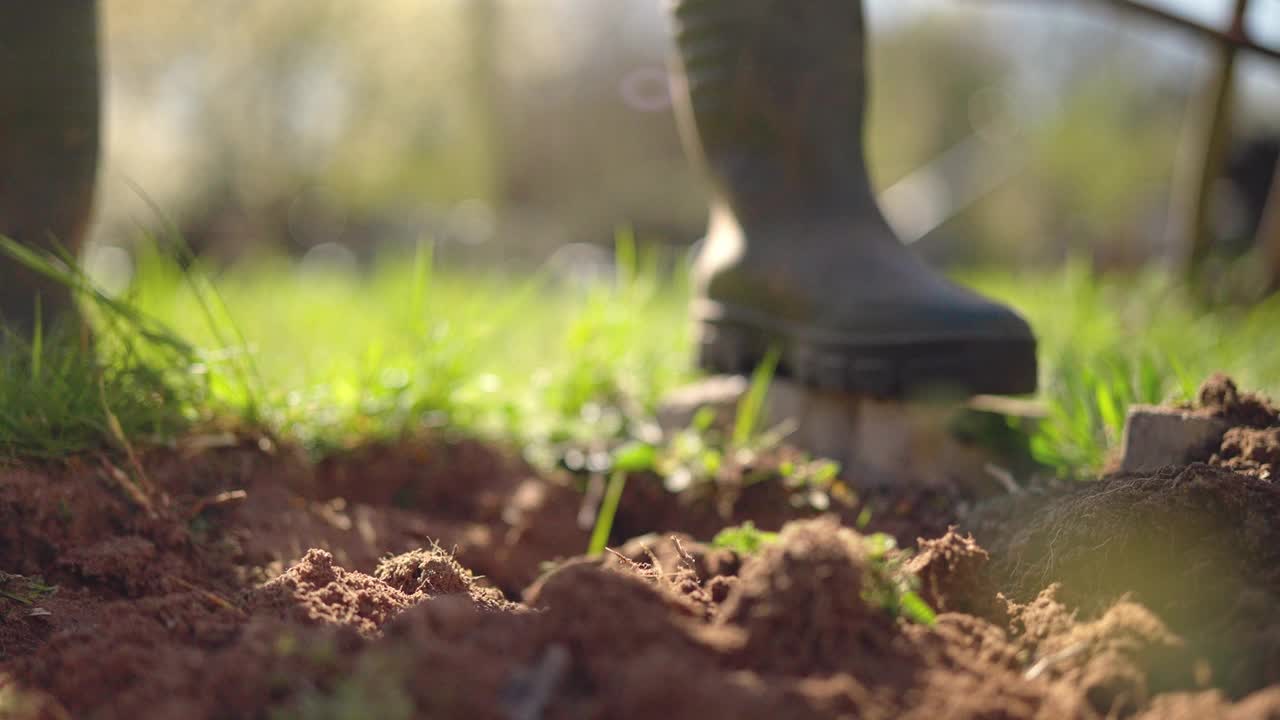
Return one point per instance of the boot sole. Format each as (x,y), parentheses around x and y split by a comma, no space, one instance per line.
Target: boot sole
(897,369)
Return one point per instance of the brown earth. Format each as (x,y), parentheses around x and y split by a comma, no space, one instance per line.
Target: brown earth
(436,579)
(1252,445)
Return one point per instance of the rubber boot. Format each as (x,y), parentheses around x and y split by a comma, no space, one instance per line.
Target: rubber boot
(49,97)
(771,96)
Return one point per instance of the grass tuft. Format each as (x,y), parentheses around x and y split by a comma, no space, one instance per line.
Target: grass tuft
(744,539)
(60,393)
(1106,343)
(330,358)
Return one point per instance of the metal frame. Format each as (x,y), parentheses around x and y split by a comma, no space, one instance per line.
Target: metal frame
(1236,36)
(1189,219)
(1193,191)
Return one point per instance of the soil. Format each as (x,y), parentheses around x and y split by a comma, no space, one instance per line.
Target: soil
(1219,397)
(1252,443)
(440,578)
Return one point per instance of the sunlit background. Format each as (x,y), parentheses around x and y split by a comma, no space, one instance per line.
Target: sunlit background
(386,199)
(505,130)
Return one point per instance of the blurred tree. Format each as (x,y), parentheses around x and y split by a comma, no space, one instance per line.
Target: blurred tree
(321,120)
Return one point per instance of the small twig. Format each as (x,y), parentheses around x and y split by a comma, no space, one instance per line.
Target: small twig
(200,444)
(209,595)
(1004,477)
(654,562)
(130,488)
(1047,662)
(684,554)
(620,556)
(645,571)
(118,433)
(220,499)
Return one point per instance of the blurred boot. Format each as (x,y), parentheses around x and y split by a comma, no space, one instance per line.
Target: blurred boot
(771,97)
(49,94)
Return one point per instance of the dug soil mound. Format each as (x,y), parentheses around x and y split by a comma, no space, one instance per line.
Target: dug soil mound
(437,579)
(1198,545)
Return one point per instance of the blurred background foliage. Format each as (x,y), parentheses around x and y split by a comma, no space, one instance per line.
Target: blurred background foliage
(505,130)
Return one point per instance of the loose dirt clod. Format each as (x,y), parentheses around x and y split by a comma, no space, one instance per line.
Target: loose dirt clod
(317,591)
(953,576)
(1251,450)
(1219,397)
(435,573)
(801,601)
(702,573)
(1252,445)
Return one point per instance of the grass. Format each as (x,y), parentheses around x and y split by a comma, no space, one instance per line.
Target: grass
(26,591)
(61,393)
(1106,343)
(331,359)
(744,539)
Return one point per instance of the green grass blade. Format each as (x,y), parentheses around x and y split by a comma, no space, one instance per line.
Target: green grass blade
(915,609)
(608,511)
(625,257)
(752,405)
(423,265)
(37,342)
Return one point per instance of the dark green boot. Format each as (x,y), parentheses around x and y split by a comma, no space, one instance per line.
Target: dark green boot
(49,93)
(771,96)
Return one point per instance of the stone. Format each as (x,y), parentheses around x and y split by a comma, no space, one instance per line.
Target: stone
(1155,437)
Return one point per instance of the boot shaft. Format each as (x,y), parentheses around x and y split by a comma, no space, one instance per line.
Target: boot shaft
(49,136)
(771,96)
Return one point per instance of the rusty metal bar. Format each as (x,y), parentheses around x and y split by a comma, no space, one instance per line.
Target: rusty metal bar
(1268,240)
(1236,36)
(1193,191)
(1215,140)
